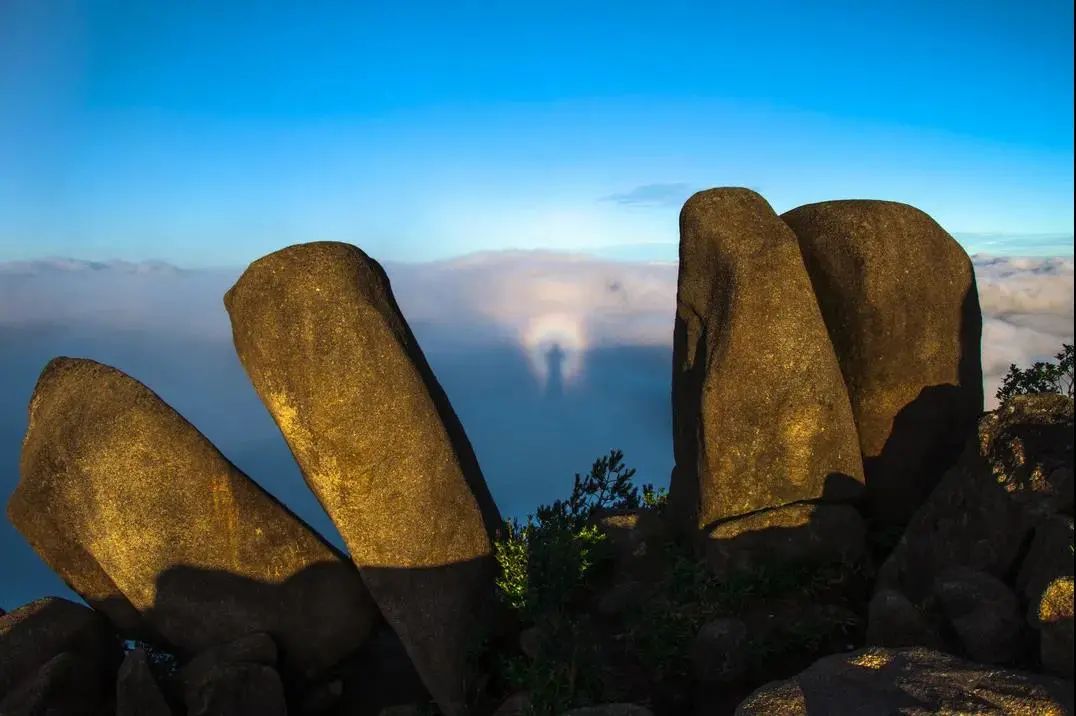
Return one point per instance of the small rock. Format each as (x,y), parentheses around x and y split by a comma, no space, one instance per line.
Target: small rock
(984,613)
(137,693)
(895,622)
(718,653)
(796,534)
(242,689)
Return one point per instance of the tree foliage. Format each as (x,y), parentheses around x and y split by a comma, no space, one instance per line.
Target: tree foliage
(1041,377)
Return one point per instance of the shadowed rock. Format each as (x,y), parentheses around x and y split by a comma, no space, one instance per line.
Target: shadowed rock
(68,684)
(136,510)
(137,693)
(899,299)
(325,345)
(1015,474)
(914,682)
(794,534)
(761,416)
(35,633)
(1045,581)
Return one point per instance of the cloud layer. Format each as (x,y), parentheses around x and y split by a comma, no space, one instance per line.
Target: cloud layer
(550,360)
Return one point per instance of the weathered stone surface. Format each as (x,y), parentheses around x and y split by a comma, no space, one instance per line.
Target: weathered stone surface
(142,516)
(240,689)
(796,534)
(718,652)
(326,347)
(912,682)
(1055,617)
(894,621)
(137,693)
(68,684)
(1013,476)
(35,633)
(898,296)
(983,612)
(761,416)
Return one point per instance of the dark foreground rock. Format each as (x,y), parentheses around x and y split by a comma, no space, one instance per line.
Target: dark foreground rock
(913,682)
(68,684)
(36,633)
(795,534)
(326,347)
(898,296)
(998,525)
(746,436)
(145,519)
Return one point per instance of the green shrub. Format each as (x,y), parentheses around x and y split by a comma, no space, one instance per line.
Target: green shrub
(1042,377)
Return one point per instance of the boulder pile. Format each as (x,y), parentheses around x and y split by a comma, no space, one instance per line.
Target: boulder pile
(826,393)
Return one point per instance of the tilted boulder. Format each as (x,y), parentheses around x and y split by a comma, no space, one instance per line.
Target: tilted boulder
(898,296)
(761,416)
(35,633)
(914,682)
(145,519)
(318,330)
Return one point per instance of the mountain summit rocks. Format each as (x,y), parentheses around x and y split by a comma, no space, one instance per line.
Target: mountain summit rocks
(761,417)
(327,349)
(898,296)
(152,526)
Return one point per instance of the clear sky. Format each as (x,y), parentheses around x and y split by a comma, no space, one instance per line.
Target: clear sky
(209,133)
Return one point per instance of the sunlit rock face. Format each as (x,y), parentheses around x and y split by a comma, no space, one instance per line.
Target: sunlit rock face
(143,517)
(898,296)
(761,417)
(319,332)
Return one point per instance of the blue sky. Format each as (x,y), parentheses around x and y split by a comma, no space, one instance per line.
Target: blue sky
(210,133)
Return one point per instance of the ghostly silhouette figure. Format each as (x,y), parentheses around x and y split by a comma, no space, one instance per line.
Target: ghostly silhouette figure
(554,359)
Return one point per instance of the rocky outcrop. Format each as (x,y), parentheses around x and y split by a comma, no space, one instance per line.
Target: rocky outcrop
(53,650)
(911,681)
(145,519)
(996,533)
(899,299)
(235,678)
(761,417)
(326,347)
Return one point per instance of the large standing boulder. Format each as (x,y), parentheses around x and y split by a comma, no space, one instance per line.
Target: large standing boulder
(33,634)
(318,330)
(761,416)
(898,296)
(914,682)
(145,519)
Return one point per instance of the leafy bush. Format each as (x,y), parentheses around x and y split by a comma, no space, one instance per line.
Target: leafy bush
(1042,377)
(544,561)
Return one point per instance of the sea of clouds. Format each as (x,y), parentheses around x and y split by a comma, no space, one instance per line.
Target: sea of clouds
(549,359)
